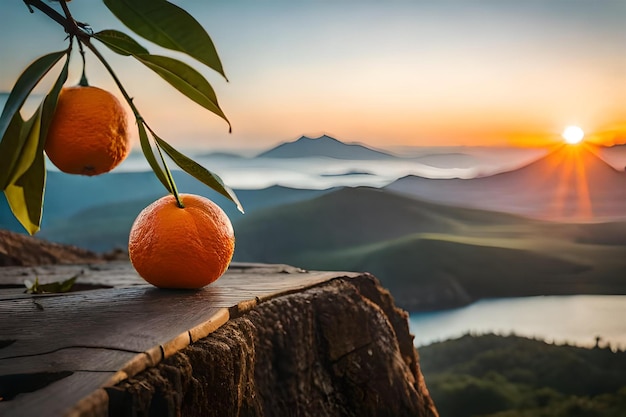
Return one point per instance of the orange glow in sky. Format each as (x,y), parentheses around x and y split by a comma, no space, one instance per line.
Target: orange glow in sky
(387,73)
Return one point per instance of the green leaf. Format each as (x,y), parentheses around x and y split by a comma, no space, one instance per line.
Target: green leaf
(24,85)
(20,142)
(120,42)
(10,148)
(170,177)
(168,26)
(30,137)
(147,151)
(50,104)
(185,79)
(34,131)
(52,287)
(199,172)
(27,182)
(25,196)
(178,74)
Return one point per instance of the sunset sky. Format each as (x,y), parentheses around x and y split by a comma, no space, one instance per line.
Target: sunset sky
(391,73)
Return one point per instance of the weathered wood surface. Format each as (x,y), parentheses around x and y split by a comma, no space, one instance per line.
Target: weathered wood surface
(103,336)
(341,348)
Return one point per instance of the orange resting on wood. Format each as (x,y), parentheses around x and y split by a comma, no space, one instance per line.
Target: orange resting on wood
(88,134)
(174,247)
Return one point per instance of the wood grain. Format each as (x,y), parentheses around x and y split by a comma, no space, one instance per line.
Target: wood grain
(106,335)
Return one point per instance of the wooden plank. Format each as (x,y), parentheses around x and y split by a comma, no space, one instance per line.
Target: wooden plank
(128,319)
(70,359)
(107,335)
(56,398)
(141,317)
(114,274)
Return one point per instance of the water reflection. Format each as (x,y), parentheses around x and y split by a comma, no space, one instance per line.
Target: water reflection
(573,319)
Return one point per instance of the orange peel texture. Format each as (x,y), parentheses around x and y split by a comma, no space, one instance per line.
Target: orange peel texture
(174,247)
(88,134)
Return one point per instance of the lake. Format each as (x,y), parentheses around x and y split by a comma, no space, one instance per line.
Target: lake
(574,319)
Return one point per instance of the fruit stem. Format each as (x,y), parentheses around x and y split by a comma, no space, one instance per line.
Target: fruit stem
(129,100)
(83,79)
(138,118)
(168,173)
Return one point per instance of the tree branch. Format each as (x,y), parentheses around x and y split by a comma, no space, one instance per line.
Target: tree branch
(70,26)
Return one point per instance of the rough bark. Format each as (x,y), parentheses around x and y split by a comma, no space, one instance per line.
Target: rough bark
(339,349)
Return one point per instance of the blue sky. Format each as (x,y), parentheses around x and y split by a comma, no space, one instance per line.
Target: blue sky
(385,73)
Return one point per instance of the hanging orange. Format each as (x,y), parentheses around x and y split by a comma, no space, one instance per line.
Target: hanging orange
(88,134)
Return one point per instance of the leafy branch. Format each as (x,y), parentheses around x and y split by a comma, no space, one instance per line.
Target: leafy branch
(165,24)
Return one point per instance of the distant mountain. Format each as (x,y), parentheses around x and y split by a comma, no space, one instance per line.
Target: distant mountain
(615,155)
(324,146)
(432,255)
(568,183)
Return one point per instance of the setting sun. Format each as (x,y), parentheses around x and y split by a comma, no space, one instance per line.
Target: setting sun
(573,135)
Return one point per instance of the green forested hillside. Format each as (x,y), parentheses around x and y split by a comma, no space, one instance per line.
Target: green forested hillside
(496,376)
(431,255)
(363,215)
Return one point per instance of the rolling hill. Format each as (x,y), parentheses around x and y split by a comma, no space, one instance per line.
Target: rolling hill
(96,212)
(431,255)
(323,146)
(357,216)
(104,227)
(570,183)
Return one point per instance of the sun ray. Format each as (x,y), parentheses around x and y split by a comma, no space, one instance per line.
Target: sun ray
(568,171)
(559,202)
(584,205)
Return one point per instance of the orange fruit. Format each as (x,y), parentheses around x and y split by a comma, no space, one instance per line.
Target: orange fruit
(174,247)
(88,133)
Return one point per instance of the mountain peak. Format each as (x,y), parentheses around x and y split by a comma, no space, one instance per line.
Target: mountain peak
(324,146)
(321,138)
(570,162)
(571,183)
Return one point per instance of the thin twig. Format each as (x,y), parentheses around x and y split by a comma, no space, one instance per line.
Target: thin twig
(138,118)
(50,12)
(70,19)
